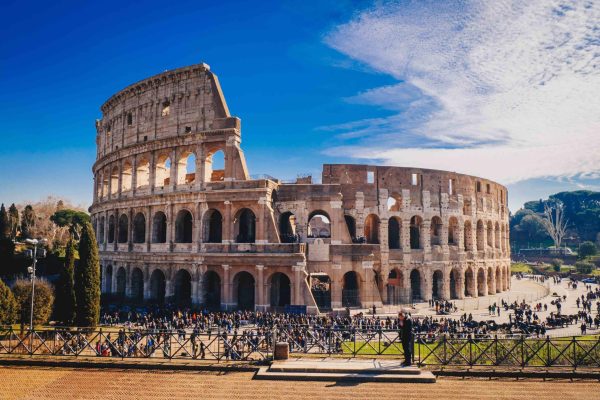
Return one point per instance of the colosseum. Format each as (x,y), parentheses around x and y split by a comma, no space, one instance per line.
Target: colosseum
(179,219)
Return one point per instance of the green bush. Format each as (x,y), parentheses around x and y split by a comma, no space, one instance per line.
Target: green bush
(584,267)
(87,280)
(587,249)
(556,264)
(44,300)
(8,305)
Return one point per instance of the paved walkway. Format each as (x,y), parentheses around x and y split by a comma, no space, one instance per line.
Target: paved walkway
(74,384)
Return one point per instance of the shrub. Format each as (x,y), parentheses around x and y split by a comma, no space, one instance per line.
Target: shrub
(584,267)
(8,305)
(587,249)
(44,300)
(556,264)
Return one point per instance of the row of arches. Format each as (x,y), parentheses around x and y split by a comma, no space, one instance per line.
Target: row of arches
(136,173)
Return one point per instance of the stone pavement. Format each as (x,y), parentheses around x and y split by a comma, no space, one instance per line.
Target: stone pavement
(75,384)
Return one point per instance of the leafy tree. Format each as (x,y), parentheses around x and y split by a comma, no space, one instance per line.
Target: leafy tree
(7,253)
(72,219)
(587,249)
(556,264)
(27,222)
(13,219)
(87,279)
(4,223)
(584,267)
(42,306)
(65,289)
(8,305)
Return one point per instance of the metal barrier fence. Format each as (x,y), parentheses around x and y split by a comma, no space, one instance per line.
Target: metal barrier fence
(256,344)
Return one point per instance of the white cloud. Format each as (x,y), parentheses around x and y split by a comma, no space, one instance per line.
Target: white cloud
(501,89)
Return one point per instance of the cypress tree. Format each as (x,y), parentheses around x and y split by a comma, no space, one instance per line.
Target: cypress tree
(65,291)
(27,222)
(13,219)
(8,305)
(4,223)
(87,280)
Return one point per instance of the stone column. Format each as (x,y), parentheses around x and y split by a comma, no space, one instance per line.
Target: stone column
(405,235)
(426,236)
(427,283)
(298,278)
(170,225)
(460,282)
(227,228)
(128,282)
(367,297)
(116,230)
(149,228)
(173,171)
(261,226)
(227,298)
(120,188)
(337,219)
(134,176)
(446,285)
(113,285)
(461,236)
(130,229)
(152,175)
(260,289)
(336,286)
(146,282)
(200,167)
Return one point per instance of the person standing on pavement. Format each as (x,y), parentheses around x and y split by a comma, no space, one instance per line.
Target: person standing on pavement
(406,336)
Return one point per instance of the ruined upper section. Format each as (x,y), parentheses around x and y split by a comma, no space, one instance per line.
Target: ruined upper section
(179,102)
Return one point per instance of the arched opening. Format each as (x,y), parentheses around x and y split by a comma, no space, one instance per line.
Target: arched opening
(114,181)
(481,283)
(435,231)
(480,236)
(498,280)
(394,202)
(394,287)
(215,167)
(139,228)
(281,290)
(490,234)
(468,236)
(490,281)
(287,228)
(111,229)
(437,285)
(186,169)
(320,287)
(415,285)
(454,284)
(142,172)
(213,226)
(162,173)
(157,286)
(183,288)
(469,283)
(372,229)
(319,225)
(101,230)
(105,180)
(183,227)
(350,293)
(108,279)
(243,284)
(123,228)
(415,232)
(137,285)
(453,231)
(126,177)
(394,233)
(121,282)
(245,224)
(212,290)
(159,228)
(351,226)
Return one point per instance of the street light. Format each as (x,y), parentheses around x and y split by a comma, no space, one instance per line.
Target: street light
(31,270)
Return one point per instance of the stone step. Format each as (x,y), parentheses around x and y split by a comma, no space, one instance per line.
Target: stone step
(344,369)
(422,377)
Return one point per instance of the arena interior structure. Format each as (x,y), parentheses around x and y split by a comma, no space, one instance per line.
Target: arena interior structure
(174,226)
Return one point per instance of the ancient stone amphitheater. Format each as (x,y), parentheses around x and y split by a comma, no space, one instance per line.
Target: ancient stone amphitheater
(175,226)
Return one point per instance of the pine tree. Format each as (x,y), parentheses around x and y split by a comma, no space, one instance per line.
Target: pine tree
(8,305)
(65,290)
(87,280)
(27,222)
(13,219)
(4,223)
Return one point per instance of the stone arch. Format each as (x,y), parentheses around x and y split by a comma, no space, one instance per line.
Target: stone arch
(319,224)
(481,282)
(468,236)
(184,226)
(415,284)
(105,180)
(183,288)
(470,289)
(453,231)
(287,228)
(158,285)
(121,282)
(162,172)
(111,229)
(416,225)
(108,279)
(490,234)
(159,227)
(137,285)
(101,230)
(394,202)
(351,226)
(114,180)
(372,229)
(123,228)
(455,281)
(126,177)
(215,166)
(497,237)
(320,287)
(435,231)
(480,236)
(394,230)
(437,287)
(280,290)
(395,283)
(139,228)
(350,290)
(212,290)
(142,173)
(213,226)
(245,226)
(186,167)
(244,289)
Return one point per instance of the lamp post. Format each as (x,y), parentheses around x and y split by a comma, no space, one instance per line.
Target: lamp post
(31,270)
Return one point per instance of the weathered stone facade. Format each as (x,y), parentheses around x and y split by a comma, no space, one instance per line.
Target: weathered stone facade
(173,228)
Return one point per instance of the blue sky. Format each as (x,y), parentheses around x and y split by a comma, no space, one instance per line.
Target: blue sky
(316,82)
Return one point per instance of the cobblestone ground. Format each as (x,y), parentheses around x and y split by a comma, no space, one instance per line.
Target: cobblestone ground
(71,384)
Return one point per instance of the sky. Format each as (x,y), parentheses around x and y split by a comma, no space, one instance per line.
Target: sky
(507,90)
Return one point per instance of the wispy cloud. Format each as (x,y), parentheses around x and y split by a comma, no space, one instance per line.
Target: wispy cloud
(507,90)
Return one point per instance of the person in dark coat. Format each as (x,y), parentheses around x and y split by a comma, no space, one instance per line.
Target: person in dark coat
(406,336)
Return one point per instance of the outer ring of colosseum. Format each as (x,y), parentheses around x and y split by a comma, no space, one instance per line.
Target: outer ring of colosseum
(171,228)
